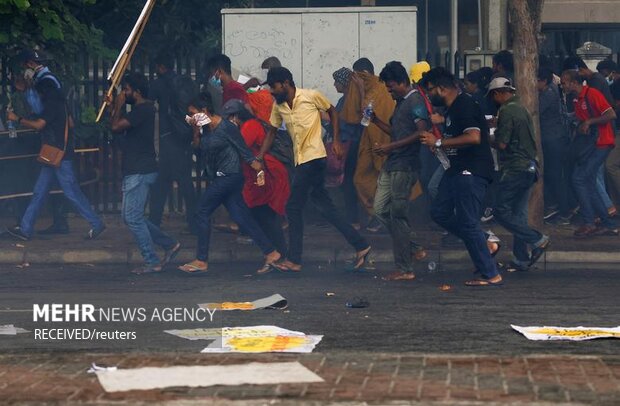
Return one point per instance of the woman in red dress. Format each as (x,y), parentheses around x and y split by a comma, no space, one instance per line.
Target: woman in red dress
(267,202)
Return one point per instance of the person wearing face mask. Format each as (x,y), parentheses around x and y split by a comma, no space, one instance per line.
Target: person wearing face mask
(301,110)
(139,169)
(220,75)
(224,151)
(54,124)
(465,141)
(266,202)
(34,73)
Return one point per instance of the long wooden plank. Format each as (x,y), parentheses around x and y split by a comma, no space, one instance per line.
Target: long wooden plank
(117,71)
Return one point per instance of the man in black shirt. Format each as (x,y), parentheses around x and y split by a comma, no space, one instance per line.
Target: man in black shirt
(139,169)
(462,189)
(175,136)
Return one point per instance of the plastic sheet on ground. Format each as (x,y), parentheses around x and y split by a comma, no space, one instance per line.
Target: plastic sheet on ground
(253,373)
(548,333)
(276,301)
(11,330)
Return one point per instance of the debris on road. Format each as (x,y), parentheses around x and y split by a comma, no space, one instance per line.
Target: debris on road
(276,301)
(94,368)
(254,373)
(330,294)
(23,265)
(11,330)
(358,303)
(445,288)
(548,333)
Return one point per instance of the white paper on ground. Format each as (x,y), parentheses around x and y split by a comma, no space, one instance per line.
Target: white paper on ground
(201,376)
(11,330)
(94,368)
(249,331)
(547,333)
(276,301)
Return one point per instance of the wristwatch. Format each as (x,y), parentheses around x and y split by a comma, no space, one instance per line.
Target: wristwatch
(438,143)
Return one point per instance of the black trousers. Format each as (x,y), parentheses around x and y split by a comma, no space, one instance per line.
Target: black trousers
(175,164)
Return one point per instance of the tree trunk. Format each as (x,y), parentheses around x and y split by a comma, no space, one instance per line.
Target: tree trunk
(525,18)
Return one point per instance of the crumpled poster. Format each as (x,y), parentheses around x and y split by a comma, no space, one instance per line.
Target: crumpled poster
(252,339)
(276,301)
(547,333)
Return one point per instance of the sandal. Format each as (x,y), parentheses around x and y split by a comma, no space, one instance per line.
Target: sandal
(538,252)
(513,267)
(285,266)
(194,267)
(482,282)
(420,254)
(399,276)
(144,269)
(360,259)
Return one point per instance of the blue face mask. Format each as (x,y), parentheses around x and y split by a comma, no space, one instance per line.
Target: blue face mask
(215,81)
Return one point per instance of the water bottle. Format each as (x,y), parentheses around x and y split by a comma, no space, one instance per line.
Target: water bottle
(443,158)
(12,127)
(367,115)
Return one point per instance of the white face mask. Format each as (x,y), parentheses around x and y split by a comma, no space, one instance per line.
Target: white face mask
(29,74)
(201,119)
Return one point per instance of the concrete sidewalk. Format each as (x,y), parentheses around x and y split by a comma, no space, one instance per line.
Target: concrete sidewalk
(349,378)
(322,243)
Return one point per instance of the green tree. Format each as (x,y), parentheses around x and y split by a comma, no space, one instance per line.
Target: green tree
(50,24)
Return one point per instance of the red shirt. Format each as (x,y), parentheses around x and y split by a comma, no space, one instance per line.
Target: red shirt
(234,90)
(599,105)
(276,190)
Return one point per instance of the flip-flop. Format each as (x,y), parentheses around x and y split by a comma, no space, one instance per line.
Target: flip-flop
(280,267)
(513,267)
(192,269)
(481,282)
(399,276)
(358,262)
(538,252)
(146,270)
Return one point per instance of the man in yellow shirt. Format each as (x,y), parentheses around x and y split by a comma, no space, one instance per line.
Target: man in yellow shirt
(300,110)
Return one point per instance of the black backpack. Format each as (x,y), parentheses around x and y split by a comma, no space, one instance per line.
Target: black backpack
(182,90)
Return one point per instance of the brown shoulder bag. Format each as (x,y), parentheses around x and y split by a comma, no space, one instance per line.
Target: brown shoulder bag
(51,155)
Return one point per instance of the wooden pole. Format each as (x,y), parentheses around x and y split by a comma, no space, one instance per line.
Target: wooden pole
(117,71)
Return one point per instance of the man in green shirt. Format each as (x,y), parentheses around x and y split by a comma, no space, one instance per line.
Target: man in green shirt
(514,139)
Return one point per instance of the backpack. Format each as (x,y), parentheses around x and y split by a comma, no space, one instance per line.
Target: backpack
(182,90)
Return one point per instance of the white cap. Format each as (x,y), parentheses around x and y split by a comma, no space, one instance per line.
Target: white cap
(500,83)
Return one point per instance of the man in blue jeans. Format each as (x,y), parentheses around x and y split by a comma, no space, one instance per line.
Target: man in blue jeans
(463,187)
(593,142)
(139,169)
(516,145)
(54,126)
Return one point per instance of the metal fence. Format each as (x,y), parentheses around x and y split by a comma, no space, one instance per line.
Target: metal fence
(102,154)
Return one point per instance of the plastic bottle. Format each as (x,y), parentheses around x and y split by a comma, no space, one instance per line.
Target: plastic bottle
(11,125)
(367,114)
(443,158)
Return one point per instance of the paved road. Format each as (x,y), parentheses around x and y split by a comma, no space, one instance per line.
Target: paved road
(402,317)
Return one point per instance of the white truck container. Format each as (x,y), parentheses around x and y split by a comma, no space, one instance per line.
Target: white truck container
(314,42)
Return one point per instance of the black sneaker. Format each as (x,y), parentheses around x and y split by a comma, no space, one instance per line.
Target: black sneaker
(94,233)
(16,232)
(487,215)
(550,213)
